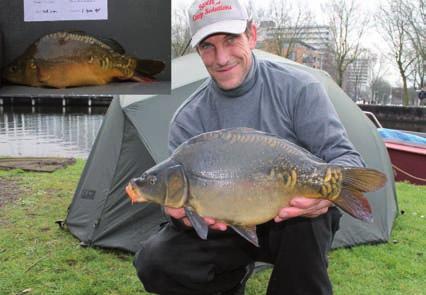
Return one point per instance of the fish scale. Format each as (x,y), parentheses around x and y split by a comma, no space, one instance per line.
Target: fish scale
(243,177)
(77,37)
(67,59)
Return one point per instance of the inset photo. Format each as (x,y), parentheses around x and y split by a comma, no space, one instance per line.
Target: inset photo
(84,48)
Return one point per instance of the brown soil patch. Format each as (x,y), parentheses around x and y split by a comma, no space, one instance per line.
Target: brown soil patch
(38,164)
(10,190)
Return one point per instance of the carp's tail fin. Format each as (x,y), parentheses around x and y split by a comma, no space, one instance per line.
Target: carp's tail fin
(149,67)
(355,182)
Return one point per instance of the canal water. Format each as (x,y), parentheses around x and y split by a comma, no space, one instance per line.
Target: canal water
(47,131)
(68,132)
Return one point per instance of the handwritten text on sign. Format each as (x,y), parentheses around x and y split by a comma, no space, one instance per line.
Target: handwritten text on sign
(57,10)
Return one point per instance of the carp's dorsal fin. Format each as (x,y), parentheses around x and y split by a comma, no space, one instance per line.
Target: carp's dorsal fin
(197,222)
(113,44)
(248,233)
(80,32)
(110,42)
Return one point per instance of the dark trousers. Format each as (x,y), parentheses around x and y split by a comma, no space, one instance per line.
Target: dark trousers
(177,262)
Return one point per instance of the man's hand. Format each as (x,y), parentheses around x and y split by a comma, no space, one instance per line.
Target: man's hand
(180,214)
(305,207)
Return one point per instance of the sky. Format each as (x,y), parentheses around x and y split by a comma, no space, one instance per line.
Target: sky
(314,5)
(372,39)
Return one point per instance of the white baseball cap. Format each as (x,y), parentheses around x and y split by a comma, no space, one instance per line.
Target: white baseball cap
(207,17)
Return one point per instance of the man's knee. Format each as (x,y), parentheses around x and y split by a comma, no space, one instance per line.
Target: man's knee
(151,263)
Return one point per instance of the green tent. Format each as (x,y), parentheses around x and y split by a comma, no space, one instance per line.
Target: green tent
(133,137)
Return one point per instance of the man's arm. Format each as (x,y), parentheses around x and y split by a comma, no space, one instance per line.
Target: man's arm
(319,129)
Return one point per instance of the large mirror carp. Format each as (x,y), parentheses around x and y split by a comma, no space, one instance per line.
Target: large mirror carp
(69,59)
(242,177)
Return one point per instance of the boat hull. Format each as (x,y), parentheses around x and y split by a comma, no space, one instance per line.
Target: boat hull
(408,161)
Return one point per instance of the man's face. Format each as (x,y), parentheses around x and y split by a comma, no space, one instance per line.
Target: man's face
(228,57)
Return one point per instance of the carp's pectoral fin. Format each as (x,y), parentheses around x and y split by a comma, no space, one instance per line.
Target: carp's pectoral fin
(247,233)
(141,78)
(198,223)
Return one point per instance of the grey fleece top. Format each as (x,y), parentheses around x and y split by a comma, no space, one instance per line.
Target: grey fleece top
(275,98)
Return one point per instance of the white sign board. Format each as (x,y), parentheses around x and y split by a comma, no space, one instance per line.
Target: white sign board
(58,10)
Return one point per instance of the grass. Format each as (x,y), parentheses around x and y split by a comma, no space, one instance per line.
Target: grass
(398,267)
(37,257)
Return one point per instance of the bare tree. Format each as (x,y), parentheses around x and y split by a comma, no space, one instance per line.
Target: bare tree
(347,25)
(378,70)
(415,13)
(251,9)
(418,72)
(394,24)
(290,22)
(261,14)
(180,32)
(357,75)
(382,91)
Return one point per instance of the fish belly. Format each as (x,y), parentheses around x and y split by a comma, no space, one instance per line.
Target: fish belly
(241,202)
(76,63)
(61,75)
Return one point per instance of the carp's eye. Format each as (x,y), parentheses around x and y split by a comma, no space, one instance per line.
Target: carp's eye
(13,68)
(152,179)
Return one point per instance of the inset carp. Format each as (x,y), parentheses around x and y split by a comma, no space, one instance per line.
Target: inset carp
(65,59)
(242,177)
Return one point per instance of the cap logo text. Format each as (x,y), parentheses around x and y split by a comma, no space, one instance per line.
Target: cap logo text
(208,7)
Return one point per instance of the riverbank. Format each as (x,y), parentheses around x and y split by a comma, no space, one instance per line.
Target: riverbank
(398,117)
(37,257)
(60,101)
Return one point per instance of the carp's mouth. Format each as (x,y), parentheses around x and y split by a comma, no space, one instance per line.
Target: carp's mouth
(134,194)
